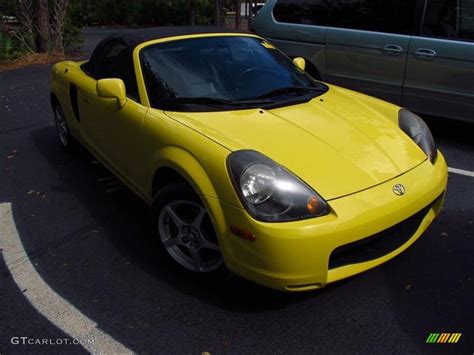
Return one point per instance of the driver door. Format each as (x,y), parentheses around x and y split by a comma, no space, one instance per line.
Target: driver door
(112,132)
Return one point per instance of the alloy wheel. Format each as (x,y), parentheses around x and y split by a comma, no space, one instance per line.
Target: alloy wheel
(188,236)
(61,127)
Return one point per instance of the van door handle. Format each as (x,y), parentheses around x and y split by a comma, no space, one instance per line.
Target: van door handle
(392,49)
(425,54)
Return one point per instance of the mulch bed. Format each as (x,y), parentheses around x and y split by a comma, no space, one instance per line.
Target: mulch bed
(38,59)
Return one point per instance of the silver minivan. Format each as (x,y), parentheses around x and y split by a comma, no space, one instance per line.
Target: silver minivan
(416,53)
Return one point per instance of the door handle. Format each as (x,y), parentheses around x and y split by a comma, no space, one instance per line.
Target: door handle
(425,54)
(392,49)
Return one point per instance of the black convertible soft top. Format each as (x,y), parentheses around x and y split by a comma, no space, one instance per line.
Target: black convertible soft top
(133,38)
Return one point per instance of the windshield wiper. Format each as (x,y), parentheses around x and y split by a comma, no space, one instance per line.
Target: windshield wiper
(211,101)
(292,89)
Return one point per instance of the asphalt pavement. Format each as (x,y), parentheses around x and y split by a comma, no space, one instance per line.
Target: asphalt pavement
(76,262)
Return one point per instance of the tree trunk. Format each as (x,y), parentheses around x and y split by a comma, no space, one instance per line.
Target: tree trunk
(57,25)
(192,12)
(42,18)
(26,16)
(220,15)
(237,13)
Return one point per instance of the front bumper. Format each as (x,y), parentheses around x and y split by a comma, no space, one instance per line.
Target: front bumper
(306,255)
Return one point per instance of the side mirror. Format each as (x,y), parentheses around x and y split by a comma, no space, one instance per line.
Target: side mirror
(112,89)
(299,62)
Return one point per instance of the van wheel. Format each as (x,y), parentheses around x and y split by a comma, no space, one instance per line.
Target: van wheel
(185,231)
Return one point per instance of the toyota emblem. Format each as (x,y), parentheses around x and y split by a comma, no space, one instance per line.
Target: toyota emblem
(398,189)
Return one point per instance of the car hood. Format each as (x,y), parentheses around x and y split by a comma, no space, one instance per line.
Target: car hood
(338,143)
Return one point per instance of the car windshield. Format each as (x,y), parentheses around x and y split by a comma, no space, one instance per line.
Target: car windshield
(222,73)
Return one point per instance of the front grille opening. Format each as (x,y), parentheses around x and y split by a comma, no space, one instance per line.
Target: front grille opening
(379,244)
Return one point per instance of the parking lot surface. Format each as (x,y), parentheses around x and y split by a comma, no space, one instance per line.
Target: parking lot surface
(76,261)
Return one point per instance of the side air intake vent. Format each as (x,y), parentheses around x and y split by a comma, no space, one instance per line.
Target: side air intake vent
(74,103)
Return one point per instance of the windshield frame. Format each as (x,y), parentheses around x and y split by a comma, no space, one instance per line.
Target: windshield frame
(286,101)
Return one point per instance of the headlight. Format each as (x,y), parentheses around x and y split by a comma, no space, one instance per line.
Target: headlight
(417,130)
(269,192)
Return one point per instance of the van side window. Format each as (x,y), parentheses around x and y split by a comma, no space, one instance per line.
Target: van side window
(449,19)
(391,16)
(302,11)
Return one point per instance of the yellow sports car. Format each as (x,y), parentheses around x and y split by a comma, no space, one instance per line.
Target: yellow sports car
(248,163)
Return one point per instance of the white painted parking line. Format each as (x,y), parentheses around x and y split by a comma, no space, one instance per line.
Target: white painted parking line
(461,172)
(46,301)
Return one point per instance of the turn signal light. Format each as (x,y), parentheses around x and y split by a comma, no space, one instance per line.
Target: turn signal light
(243,233)
(313,205)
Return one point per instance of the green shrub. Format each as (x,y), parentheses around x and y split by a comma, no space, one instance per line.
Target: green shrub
(7,50)
(72,36)
(205,12)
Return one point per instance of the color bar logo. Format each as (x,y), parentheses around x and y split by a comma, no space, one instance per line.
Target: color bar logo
(443,338)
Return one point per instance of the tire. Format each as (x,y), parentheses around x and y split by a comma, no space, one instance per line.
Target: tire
(66,140)
(185,232)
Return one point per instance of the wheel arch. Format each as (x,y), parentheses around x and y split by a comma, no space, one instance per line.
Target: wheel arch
(178,165)
(164,176)
(175,163)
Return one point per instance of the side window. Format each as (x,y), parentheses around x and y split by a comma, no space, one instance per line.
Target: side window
(449,19)
(303,11)
(391,16)
(117,62)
